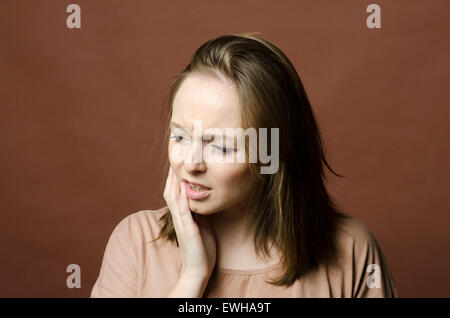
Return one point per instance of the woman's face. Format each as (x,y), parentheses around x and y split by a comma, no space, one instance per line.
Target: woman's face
(216,104)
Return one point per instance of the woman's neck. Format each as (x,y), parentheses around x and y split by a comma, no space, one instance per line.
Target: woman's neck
(234,233)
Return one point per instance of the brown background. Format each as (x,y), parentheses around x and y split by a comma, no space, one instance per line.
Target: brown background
(79,114)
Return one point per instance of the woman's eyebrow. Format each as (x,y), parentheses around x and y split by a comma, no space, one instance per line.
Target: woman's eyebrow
(207,136)
(176,125)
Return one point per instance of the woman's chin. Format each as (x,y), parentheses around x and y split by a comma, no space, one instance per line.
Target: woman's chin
(196,208)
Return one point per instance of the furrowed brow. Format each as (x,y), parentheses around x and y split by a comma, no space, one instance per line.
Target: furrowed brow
(206,136)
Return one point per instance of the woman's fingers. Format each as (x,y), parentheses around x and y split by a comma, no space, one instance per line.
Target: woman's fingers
(175,187)
(170,198)
(172,185)
(184,204)
(185,211)
(169,185)
(167,188)
(175,199)
(182,216)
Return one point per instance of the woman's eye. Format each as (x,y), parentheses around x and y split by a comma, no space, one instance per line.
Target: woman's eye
(177,138)
(224,150)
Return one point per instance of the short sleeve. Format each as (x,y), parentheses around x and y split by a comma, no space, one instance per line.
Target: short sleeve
(372,275)
(118,274)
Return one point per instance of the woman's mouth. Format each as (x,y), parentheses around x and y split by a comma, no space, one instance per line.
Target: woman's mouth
(196,192)
(197,188)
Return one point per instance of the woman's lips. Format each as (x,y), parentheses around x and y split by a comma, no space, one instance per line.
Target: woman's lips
(197,184)
(195,195)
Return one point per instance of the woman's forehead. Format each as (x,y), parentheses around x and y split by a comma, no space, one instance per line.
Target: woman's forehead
(209,100)
(205,93)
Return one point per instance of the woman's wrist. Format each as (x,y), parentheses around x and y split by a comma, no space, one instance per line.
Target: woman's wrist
(188,287)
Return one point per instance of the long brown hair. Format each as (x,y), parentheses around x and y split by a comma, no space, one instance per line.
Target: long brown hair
(294,209)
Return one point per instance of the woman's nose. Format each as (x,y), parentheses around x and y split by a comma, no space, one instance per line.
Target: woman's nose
(194,160)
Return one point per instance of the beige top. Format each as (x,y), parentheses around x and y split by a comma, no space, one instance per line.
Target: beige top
(134,267)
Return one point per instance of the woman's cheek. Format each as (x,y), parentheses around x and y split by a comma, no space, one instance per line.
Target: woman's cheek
(177,154)
(232,178)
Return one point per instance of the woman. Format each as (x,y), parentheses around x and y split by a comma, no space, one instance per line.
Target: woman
(229,230)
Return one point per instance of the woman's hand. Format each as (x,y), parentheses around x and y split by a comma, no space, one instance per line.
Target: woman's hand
(195,239)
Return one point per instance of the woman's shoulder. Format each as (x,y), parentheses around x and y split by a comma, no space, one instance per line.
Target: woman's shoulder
(357,243)
(355,232)
(363,255)
(140,226)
